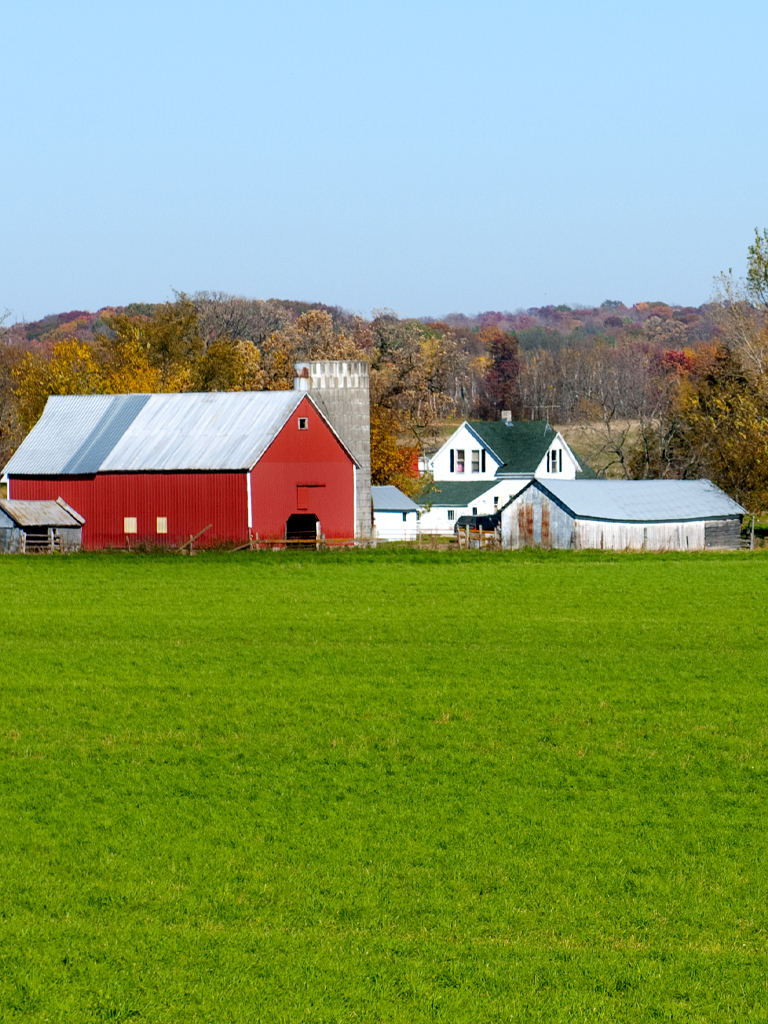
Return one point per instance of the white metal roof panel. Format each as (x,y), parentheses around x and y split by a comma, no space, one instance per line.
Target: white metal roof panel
(387,498)
(629,501)
(39,513)
(204,432)
(75,434)
(84,434)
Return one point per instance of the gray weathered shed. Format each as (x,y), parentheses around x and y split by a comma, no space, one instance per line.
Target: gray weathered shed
(620,515)
(27,526)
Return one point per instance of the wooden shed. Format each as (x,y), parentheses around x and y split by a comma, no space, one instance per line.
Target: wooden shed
(622,515)
(39,526)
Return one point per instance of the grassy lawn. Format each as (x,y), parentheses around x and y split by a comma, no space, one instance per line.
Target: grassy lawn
(384,786)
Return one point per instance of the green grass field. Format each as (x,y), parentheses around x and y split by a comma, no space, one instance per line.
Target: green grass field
(384,786)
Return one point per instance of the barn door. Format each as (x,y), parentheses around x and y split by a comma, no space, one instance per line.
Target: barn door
(301,528)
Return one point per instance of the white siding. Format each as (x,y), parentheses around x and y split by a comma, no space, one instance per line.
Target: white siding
(638,537)
(465,441)
(562,453)
(435,519)
(390,525)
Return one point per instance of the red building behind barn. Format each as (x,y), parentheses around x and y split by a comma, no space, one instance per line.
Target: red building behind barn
(156,469)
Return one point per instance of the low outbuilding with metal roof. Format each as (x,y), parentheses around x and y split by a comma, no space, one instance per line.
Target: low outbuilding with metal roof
(395,515)
(161,468)
(636,515)
(40,526)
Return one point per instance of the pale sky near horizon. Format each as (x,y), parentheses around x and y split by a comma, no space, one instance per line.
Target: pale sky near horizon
(426,157)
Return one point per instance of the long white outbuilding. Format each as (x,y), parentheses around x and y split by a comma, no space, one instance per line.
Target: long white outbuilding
(621,515)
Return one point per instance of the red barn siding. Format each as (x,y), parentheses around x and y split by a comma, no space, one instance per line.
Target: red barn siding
(304,457)
(190,501)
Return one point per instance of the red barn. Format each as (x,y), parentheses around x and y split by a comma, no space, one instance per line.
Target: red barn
(156,469)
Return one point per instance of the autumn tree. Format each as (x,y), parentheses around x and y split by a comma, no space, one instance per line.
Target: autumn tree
(72,369)
(11,431)
(170,340)
(221,315)
(311,337)
(499,387)
(229,366)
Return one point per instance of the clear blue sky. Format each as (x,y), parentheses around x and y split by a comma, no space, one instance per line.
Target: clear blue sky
(427,157)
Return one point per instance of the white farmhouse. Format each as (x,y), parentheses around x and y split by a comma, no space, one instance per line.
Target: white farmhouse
(482,466)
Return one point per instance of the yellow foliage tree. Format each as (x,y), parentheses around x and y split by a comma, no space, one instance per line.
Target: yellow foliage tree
(229,367)
(71,370)
(311,337)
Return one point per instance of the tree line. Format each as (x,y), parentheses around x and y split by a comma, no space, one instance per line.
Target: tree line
(664,391)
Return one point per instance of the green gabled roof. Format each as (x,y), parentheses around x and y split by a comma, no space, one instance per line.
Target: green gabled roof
(455,493)
(520,447)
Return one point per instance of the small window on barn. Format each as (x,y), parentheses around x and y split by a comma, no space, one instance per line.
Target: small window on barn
(162,524)
(303,423)
(474,510)
(130,525)
(495,501)
(450,513)
(405,517)
(459,460)
(476,460)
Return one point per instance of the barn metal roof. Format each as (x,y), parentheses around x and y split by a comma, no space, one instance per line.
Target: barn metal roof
(75,434)
(630,501)
(84,434)
(41,513)
(387,498)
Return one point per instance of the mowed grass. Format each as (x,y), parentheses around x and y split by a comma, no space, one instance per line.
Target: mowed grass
(384,786)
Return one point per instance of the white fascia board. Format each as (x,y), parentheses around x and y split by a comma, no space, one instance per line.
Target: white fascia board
(447,444)
(455,441)
(558,440)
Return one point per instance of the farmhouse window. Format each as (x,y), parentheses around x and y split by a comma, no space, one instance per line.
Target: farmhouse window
(405,517)
(130,525)
(474,510)
(475,461)
(450,513)
(459,460)
(495,501)
(303,423)
(162,524)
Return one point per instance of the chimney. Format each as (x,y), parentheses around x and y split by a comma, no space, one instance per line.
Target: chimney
(341,388)
(506,417)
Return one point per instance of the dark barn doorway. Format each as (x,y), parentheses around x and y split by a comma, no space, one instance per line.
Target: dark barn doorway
(301,528)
